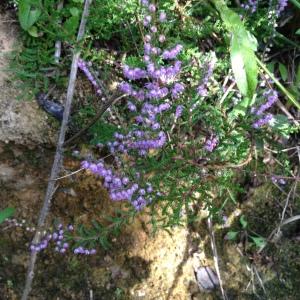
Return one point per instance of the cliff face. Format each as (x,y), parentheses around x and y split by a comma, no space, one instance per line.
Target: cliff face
(21,122)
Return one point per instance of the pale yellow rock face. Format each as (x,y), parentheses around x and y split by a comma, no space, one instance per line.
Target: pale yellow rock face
(21,122)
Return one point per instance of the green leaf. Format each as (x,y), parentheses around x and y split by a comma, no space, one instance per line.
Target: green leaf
(242,50)
(281,124)
(243,63)
(243,222)
(28,14)
(271,66)
(33,31)
(298,31)
(74,11)
(6,213)
(232,235)
(71,25)
(258,241)
(283,71)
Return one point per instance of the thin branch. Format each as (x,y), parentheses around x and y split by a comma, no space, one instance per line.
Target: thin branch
(57,53)
(106,105)
(288,95)
(71,174)
(215,254)
(58,155)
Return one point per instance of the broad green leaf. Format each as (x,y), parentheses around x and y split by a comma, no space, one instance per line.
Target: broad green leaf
(6,213)
(243,222)
(28,14)
(298,31)
(258,241)
(283,71)
(231,235)
(243,63)
(242,50)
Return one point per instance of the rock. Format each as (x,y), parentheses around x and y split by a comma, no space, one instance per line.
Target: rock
(21,121)
(206,278)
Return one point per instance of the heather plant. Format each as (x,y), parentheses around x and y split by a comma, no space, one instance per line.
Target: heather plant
(182,139)
(192,115)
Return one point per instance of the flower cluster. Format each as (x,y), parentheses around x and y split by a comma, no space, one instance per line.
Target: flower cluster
(211,144)
(281,6)
(152,91)
(58,239)
(272,97)
(202,88)
(84,251)
(121,188)
(262,121)
(22,224)
(84,67)
(250,5)
(178,112)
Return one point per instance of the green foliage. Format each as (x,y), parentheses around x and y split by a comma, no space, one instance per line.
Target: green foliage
(102,132)
(242,50)
(29,13)
(253,238)
(6,213)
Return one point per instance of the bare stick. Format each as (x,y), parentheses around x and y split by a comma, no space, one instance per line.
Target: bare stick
(58,43)
(58,155)
(215,254)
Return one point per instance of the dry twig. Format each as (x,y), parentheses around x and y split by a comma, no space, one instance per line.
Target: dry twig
(215,254)
(58,155)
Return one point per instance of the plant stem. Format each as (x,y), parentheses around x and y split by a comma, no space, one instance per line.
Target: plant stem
(285,39)
(296,3)
(280,86)
(58,155)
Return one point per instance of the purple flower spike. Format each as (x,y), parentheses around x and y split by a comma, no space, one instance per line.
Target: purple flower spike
(263,121)
(179,110)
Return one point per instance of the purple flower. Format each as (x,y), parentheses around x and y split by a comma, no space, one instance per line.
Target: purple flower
(84,68)
(272,97)
(152,8)
(162,38)
(162,16)
(262,121)
(172,53)
(131,106)
(178,112)
(145,2)
(153,29)
(201,89)
(281,6)
(251,5)
(177,89)
(211,144)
